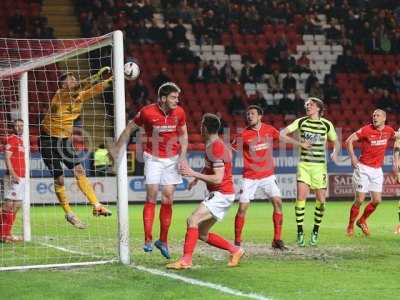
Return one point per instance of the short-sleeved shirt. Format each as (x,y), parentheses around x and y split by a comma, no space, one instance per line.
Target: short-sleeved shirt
(219,156)
(257,151)
(316,132)
(373,144)
(15,146)
(162,130)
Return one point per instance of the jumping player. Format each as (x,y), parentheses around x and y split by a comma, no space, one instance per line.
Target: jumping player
(165,125)
(368,175)
(256,142)
(312,168)
(14,183)
(55,138)
(217,174)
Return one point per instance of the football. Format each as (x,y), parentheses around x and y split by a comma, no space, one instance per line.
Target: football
(131,70)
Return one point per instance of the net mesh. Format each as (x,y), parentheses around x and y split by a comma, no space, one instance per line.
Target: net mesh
(54,240)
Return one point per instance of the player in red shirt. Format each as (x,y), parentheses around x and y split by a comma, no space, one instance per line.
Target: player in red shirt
(14,183)
(165,125)
(217,174)
(256,143)
(368,175)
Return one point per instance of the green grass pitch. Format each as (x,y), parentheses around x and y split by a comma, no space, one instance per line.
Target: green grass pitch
(338,268)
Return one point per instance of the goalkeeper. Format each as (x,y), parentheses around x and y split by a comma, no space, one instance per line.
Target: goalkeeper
(55,139)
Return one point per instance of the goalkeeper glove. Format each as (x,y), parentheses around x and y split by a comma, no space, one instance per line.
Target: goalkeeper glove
(97,77)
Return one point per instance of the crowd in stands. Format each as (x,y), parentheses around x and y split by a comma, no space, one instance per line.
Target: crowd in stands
(23,26)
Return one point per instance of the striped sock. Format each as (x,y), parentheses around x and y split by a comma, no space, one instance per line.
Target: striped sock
(299,208)
(318,214)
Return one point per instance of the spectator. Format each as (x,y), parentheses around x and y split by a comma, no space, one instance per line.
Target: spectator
(309,81)
(198,73)
(101,161)
(246,74)
(298,104)
(289,83)
(316,90)
(331,92)
(211,73)
(228,74)
(155,33)
(387,103)
(372,44)
(139,93)
(236,105)
(275,82)
(303,63)
(179,32)
(259,71)
(17,23)
(371,83)
(272,54)
(224,128)
(386,82)
(161,78)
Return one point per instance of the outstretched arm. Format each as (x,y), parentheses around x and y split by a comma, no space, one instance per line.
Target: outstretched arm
(215,178)
(122,140)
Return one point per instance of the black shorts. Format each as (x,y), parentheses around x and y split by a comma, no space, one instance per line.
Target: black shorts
(55,151)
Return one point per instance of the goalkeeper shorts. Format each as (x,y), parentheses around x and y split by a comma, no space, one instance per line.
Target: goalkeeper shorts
(55,151)
(313,174)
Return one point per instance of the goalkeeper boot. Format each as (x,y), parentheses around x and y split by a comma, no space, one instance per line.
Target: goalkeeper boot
(74,220)
(364,227)
(300,239)
(279,245)
(148,247)
(163,247)
(397,229)
(100,210)
(235,257)
(179,265)
(314,238)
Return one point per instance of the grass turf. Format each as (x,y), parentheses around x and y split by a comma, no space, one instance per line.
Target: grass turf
(339,267)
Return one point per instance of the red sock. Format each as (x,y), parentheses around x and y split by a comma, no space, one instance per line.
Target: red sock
(239,223)
(6,222)
(353,214)
(165,221)
(148,219)
(277,218)
(192,235)
(369,209)
(219,242)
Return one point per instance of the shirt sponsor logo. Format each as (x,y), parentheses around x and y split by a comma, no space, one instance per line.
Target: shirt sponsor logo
(378,143)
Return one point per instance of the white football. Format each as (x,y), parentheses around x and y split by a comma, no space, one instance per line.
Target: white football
(131,70)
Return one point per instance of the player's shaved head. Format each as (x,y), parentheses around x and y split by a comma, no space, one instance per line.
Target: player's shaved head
(379,118)
(380,111)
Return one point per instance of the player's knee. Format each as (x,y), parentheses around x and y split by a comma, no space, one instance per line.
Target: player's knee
(167,198)
(203,236)
(192,222)
(79,171)
(59,180)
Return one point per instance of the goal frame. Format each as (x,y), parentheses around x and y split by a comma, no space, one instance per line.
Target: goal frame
(114,39)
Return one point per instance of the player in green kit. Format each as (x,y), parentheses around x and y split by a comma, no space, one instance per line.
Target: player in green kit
(312,171)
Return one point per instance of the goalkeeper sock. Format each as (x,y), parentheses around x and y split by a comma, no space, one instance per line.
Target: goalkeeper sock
(148,219)
(318,214)
(86,187)
(354,211)
(239,223)
(6,221)
(219,242)
(62,198)
(165,221)
(277,218)
(369,209)
(299,207)
(191,237)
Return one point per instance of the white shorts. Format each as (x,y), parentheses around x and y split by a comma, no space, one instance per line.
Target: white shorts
(14,190)
(218,204)
(367,179)
(163,171)
(267,185)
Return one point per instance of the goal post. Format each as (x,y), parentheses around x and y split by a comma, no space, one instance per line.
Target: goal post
(28,76)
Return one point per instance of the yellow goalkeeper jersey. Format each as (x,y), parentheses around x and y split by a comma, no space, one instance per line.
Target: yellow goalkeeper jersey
(66,107)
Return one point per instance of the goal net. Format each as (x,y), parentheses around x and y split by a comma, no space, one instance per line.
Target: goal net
(64,93)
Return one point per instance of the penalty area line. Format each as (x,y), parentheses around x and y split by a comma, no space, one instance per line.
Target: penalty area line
(210,285)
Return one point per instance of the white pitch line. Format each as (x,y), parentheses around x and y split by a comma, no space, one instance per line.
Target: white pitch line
(69,250)
(218,287)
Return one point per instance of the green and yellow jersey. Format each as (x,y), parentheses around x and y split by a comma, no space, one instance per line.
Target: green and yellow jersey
(317,133)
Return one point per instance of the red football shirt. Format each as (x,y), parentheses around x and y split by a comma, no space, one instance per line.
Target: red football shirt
(373,144)
(257,151)
(218,155)
(162,130)
(15,145)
